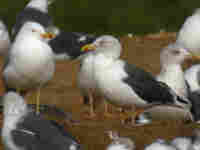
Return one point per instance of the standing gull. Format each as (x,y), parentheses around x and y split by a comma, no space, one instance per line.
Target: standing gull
(189,34)
(24,130)
(123,84)
(30,63)
(4,39)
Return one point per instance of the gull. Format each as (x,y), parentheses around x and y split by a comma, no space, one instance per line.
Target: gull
(30,63)
(24,130)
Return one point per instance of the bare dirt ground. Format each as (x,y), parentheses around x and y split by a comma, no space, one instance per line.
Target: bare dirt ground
(143,51)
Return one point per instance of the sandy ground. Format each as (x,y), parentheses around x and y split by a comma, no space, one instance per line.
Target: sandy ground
(63,92)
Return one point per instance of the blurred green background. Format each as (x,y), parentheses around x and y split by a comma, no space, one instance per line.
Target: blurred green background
(125,16)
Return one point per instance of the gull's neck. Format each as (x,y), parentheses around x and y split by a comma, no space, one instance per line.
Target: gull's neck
(173,76)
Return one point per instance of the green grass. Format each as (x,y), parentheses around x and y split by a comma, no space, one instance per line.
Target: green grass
(118,17)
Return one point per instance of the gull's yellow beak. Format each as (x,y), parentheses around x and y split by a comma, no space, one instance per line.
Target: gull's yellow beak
(88,47)
(48,35)
(194,56)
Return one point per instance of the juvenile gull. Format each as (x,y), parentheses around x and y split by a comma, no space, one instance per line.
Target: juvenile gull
(24,130)
(189,34)
(4,39)
(30,63)
(119,143)
(123,84)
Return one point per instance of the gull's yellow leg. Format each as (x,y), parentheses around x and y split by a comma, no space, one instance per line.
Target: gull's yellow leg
(106,110)
(91,101)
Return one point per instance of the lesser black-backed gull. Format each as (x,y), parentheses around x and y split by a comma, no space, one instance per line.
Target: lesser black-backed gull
(123,84)
(171,59)
(30,63)
(4,39)
(24,130)
(86,81)
(119,143)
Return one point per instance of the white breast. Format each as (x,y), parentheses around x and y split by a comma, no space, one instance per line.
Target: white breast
(85,78)
(109,76)
(191,76)
(174,77)
(31,62)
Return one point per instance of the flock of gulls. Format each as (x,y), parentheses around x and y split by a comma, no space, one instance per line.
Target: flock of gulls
(35,44)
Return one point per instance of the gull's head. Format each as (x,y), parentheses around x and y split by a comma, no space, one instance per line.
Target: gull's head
(36,30)
(107,44)
(14,104)
(176,54)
